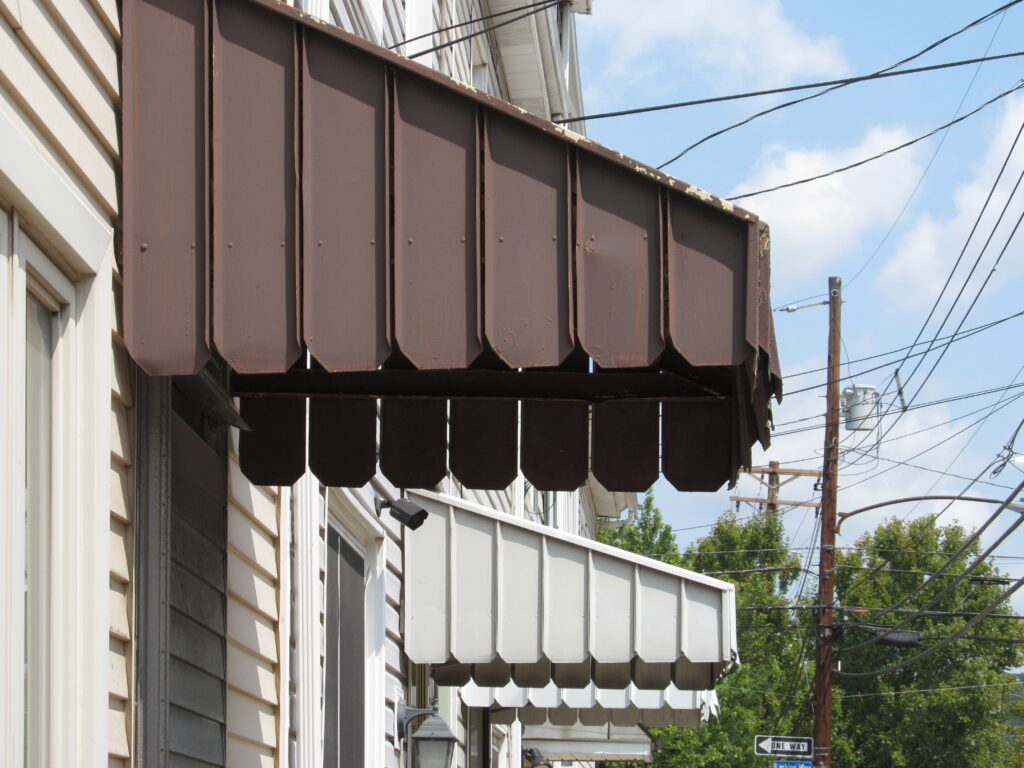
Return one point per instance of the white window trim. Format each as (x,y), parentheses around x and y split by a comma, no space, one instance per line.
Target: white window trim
(348,514)
(79,563)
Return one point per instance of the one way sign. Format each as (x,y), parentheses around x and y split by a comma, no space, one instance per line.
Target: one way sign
(783,745)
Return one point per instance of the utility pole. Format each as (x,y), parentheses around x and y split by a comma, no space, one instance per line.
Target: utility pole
(827,564)
(773,487)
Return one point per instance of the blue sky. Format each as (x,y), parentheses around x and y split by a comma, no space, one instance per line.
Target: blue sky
(640,52)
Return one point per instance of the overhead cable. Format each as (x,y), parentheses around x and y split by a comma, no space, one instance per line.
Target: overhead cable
(788,89)
(880,155)
(461,24)
(922,52)
(538,9)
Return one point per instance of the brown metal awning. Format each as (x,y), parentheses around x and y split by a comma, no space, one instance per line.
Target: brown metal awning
(291,188)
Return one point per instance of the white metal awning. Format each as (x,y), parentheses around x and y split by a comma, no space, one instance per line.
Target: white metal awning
(592,706)
(597,743)
(495,598)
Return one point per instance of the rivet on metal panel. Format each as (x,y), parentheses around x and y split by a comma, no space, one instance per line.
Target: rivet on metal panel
(144,247)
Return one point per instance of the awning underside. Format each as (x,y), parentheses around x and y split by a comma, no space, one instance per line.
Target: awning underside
(431,247)
(496,599)
(590,743)
(594,706)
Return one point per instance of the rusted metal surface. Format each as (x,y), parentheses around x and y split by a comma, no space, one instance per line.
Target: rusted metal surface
(706,280)
(343,440)
(477,384)
(436,204)
(165,243)
(449,246)
(624,445)
(255,290)
(274,451)
(527,293)
(697,445)
(344,189)
(413,442)
(553,452)
(483,441)
(618,295)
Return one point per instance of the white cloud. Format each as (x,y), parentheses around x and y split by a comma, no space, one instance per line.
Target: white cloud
(726,42)
(823,223)
(915,275)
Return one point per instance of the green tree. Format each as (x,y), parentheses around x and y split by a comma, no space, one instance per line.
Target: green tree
(969,722)
(755,553)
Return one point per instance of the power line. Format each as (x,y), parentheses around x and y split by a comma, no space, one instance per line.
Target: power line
(990,608)
(931,160)
(450,27)
(950,337)
(946,473)
(952,272)
(929,404)
(900,63)
(967,571)
(788,89)
(889,151)
(537,9)
(934,690)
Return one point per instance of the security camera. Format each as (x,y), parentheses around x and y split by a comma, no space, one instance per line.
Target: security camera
(408,513)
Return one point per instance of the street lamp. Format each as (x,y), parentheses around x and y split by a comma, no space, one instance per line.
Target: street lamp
(435,743)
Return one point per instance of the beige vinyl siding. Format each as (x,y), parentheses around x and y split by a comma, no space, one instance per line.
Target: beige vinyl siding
(253,612)
(59,80)
(122,515)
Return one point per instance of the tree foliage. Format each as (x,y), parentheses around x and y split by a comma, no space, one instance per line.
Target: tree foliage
(878,721)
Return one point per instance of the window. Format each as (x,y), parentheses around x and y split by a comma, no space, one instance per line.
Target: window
(37,577)
(344,665)
(40,329)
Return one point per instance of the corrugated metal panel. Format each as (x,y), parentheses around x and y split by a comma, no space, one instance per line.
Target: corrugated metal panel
(592,706)
(344,177)
(443,231)
(494,598)
(255,286)
(165,234)
(343,440)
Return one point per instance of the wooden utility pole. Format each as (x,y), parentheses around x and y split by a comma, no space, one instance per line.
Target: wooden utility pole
(773,487)
(827,564)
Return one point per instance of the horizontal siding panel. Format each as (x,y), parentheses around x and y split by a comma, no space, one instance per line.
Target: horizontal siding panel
(91,37)
(119,551)
(107,12)
(196,644)
(252,631)
(251,720)
(252,542)
(252,675)
(120,433)
(392,656)
(180,761)
(117,730)
(195,690)
(54,118)
(121,499)
(120,626)
(196,599)
(245,755)
(197,554)
(252,499)
(195,506)
(121,383)
(195,736)
(117,657)
(251,587)
(393,587)
(47,42)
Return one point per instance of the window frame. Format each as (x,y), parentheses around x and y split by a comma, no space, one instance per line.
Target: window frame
(347,514)
(75,684)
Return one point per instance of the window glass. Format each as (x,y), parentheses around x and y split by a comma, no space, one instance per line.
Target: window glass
(39,348)
(345,670)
